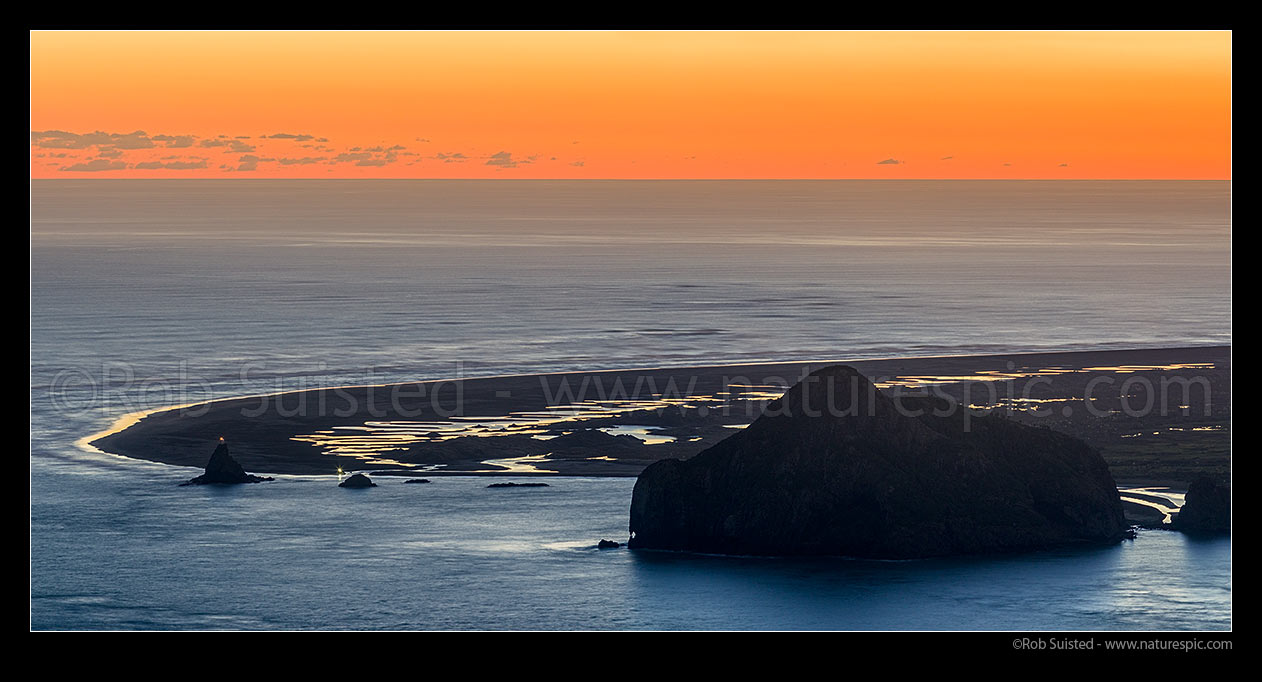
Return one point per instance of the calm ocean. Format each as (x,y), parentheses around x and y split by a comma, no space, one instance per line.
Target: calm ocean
(153,293)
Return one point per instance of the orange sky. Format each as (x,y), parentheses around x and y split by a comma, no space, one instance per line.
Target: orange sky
(631,104)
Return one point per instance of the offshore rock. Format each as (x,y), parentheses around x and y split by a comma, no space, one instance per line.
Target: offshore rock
(357,481)
(836,467)
(222,468)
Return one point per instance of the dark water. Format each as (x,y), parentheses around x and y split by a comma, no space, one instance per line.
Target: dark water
(140,552)
(147,294)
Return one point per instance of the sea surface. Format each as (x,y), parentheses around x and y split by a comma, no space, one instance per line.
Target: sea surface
(153,293)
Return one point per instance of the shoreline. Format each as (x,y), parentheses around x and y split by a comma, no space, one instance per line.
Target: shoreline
(271,440)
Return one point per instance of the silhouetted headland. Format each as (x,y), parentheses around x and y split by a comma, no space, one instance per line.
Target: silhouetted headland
(1206,509)
(1158,416)
(837,467)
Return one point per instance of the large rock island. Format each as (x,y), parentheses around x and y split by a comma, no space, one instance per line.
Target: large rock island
(836,467)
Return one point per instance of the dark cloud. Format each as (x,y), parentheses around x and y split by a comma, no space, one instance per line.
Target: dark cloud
(1064,165)
(578,163)
(376,156)
(1007,164)
(132,142)
(502,159)
(888,162)
(506,160)
(234,146)
(94,166)
(250,162)
(109,147)
(947,158)
(172,165)
(178,141)
(60,139)
(379,149)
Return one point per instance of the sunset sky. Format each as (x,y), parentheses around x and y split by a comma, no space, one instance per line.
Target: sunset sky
(631,104)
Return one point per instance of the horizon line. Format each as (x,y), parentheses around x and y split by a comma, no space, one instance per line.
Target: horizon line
(639,179)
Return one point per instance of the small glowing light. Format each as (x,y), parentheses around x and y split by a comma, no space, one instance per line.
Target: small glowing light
(221,439)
